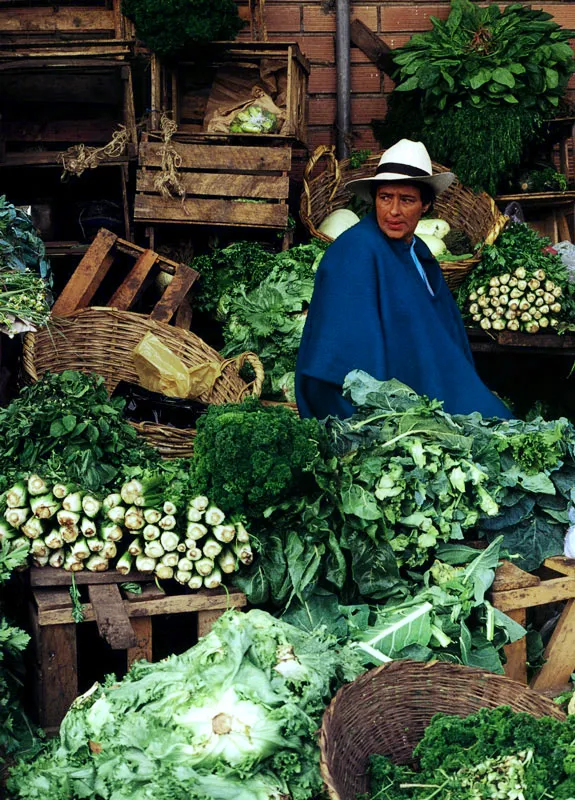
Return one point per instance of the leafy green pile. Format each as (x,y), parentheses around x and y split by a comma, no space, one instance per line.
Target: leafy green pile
(494,753)
(169,26)
(512,65)
(248,456)
(234,718)
(269,319)
(16,733)
(65,427)
(21,248)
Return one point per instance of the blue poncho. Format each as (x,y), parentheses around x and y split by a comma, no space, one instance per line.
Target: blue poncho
(371,310)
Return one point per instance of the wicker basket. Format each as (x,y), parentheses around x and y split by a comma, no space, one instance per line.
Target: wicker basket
(476,214)
(386,711)
(101,340)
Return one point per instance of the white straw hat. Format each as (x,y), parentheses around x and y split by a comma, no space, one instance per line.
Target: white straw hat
(404,161)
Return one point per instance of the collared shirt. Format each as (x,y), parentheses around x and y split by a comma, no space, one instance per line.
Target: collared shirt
(420,269)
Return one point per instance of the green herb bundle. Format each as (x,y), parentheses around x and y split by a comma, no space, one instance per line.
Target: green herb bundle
(478,86)
(169,26)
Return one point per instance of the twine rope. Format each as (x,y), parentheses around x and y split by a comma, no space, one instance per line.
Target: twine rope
(167,182)
(78,158)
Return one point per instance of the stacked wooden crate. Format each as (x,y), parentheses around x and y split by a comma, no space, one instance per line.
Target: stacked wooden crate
(65,82)
(229,179)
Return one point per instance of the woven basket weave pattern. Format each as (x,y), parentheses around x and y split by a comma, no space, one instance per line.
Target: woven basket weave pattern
(101,340)
(476,214)
(386,711)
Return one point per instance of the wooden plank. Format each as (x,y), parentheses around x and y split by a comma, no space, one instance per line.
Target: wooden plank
(547,592)
(134,250)
(566,566)
(42,19)
(57,670)
(142,649)
(216,212)
(49,576)
(111,617)
(516,652)
(52,598)
(217,185)
(126,293)
(509,576)
(374,48)
(225,157)
(560,654)
(170,604)
(184,315)
(149,591)
(61,130)
(47,158)
(88,275)
(174,293)
(205,621)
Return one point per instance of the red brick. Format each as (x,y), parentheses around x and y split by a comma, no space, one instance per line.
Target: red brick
(320,135)
(283,18)
(364,78)
(363,139)
(364,109)
(322,110)
(411,18)
(318,49)
(317,19)
(563,13)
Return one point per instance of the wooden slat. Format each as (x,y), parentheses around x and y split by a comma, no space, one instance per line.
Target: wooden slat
(218,185)
(126,293)
(509,576)
(547,592)
(134,250)
(225,157)
(174,293)
(49,576)
(170,604)
(516,652)
(32,158)
(216,212)
(565,566)
(205,621)
(184,315)
(149,592)
(63,130)
(56,18)
(88,275)
(111,617)
(52,598)
(560,654)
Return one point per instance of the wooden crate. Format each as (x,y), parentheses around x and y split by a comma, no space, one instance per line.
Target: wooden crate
(226,184)
(514,592)
(26,23)
(50,104)
(182,90)
(98,262)
(124,620)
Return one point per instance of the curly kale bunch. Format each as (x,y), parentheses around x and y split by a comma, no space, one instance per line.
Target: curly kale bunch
(248,457)
(168,26)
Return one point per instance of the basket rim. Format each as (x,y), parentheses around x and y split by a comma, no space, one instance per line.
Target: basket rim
(434,668)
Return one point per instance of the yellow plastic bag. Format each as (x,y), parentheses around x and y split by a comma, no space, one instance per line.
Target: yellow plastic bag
(203,378)
(159,370)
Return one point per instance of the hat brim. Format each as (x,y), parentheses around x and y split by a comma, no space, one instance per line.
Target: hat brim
(362,187)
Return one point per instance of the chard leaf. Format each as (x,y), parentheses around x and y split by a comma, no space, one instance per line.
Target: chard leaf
(398,627)
(317,609)
(513,630)
(486,658)
(358,501)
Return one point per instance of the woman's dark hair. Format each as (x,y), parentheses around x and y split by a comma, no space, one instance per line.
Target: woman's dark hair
(427,192)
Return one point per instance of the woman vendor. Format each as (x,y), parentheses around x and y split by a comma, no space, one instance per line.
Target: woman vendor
(381,304)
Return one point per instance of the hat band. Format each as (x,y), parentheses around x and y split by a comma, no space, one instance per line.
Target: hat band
(402,169)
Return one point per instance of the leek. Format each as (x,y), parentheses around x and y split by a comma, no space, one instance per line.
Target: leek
(56,558)
(61,490)
(168,523)
(214,516)
(109,550)
(69,533)
(170,540)
(97,563)
(170,559)
(154,549)
(33,528)
(80,549)
(44,506)
(200,503)
(213,580)
(124,565)
(205,566)
(195,582)
(68,518)
(152,516)
(195,530)
(72,502)
(16,516)
(145,564)
(136,548)
(182,576)
(36,485)
(110,532)
(116,514)
(91,505)
(227,562)
(163,572)
(211,548)
(17,495)
(134,519)
(151,532)
(87,527)
(224,533)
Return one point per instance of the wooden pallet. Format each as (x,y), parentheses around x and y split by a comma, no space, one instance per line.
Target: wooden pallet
(97,263)
(124,620)
(514,592)
(232,185)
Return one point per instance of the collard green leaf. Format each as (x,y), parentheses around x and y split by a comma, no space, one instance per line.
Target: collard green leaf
(317,609)
(533,540)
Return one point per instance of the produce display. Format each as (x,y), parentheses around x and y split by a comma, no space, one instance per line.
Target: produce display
(435,234)
(234,718)
(24,273)
(495,753)
(520,285)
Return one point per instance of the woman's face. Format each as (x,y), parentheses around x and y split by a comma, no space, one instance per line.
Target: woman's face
(398,208)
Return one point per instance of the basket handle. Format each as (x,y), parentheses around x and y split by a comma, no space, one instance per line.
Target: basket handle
(28,351)
(253,388)
(500,222)
(322,150)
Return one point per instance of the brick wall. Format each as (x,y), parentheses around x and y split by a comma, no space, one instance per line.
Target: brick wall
(311,23)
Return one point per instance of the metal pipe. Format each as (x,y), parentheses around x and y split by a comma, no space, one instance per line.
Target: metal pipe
(343,73)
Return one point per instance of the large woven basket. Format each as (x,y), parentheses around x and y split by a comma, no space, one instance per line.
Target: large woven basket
(386,711)
(476,214)
(101,340)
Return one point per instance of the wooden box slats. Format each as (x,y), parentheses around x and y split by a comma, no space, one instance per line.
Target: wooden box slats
(225,185)
(182,89)
(27,23)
